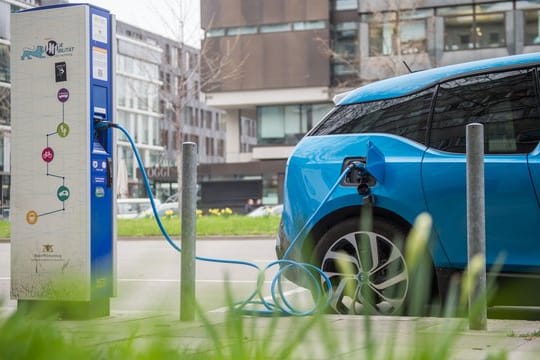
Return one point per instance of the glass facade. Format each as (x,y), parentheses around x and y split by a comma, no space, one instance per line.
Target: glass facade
(474,26)
(531,13)
(4,62)
(137,84)
(287,124)
(137,88)
(393,33)
(267,28)
(346,4)
(346,48)
(5,114)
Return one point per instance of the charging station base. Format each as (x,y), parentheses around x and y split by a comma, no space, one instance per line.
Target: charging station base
(66,310)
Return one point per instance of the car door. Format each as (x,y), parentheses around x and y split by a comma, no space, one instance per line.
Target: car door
(506,103)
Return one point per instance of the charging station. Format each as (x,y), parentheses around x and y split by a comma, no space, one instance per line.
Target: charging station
(63,222)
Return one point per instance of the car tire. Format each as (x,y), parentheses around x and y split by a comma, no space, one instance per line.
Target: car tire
(367,269)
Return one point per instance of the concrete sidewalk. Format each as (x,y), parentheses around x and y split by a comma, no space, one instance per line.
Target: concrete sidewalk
(325,337)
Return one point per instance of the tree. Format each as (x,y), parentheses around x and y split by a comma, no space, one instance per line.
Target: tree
(388,42)
(191,78)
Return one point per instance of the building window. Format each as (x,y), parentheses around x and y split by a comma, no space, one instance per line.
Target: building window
(167,54)
(532,26)
(345,48)
(175,139)
(221,148)
(144,126)
(196,90)
(393,33)
(271,28)
(245,30)
(474,27)
(4,63)
(188,116)
(287,124)
(5,105)
(215,32)
(155,131)
(208,119)
(346,4)
(209,142)
(267,28)
(309,25)
(164,137)
(167,83)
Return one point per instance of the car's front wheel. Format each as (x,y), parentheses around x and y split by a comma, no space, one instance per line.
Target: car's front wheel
(367,269)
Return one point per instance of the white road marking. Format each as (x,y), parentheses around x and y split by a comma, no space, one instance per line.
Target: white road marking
(267,298)
(210,281)
(199,281)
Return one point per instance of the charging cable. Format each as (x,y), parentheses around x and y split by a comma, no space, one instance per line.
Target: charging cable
(319,281)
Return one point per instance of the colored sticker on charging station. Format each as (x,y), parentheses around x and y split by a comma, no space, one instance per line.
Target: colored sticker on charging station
(62,193)
(47,154)
(31,217)
(62,95)
(62,129)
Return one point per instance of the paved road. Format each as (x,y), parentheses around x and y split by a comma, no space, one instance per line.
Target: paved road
(149,272)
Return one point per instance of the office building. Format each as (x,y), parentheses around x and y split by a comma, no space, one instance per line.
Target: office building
(292,57)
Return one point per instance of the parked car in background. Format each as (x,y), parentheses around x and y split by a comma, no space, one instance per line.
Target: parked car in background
(266,210)
(406,136)
(165,209)
(174,197)
(130,208)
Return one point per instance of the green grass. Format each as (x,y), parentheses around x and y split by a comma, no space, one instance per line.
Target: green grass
(206,226)
(4,229)
(241,337)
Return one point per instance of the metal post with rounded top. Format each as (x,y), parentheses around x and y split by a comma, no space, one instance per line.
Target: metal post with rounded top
(476,226)
(189,231)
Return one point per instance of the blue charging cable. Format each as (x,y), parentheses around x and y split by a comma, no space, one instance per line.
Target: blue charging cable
(279,305)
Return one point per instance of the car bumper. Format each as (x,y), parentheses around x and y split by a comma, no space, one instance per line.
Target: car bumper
(293,273)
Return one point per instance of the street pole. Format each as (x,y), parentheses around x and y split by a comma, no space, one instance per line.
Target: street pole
(189,231)
(476,225)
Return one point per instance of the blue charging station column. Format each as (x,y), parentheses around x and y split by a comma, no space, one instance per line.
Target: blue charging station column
(63,237)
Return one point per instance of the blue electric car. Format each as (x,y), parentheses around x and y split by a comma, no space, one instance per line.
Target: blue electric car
(407,134)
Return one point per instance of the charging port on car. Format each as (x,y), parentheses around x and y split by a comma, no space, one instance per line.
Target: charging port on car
(357,175)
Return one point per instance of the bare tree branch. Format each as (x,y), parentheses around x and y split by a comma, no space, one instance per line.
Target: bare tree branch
(387,55)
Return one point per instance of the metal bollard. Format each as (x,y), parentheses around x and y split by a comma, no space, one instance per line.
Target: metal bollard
(476,224)
(189,231)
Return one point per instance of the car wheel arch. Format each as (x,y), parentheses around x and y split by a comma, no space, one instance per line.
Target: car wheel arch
(355,212)
(350,212)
